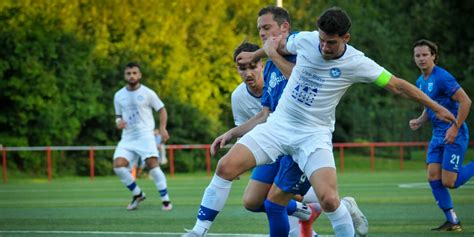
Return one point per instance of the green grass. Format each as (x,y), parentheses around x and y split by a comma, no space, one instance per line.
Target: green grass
(79,204)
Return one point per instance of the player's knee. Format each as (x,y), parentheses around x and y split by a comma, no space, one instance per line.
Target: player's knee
(225,170)
(251,205)
(152,162)
(120,162)
(434,175)
(329,202)
(449,183)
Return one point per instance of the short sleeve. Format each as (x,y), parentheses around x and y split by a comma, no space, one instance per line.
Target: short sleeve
(367,71)
(156,103)
(448,84)
(291,43)
(118,108)
(237,111)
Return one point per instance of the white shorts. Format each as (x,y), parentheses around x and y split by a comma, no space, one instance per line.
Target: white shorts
(269,140)
(132,150)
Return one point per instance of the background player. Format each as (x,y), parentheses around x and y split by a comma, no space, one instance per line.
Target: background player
(449,141)
(134,105)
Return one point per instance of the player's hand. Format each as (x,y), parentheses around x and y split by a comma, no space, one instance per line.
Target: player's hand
(220,142)
(164,135)
(445,115)
(451,134)
(271,45)
(121,124)
(245,57)
(415,124)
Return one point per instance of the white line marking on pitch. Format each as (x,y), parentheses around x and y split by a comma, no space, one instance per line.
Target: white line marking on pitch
(127,233)
(426,186)
(118,233)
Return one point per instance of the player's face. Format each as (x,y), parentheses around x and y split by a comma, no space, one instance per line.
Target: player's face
(332,46)
(424,59)
(267,27)
(251,73)
(133,75)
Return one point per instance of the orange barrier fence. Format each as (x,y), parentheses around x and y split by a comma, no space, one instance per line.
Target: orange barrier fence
(172,148)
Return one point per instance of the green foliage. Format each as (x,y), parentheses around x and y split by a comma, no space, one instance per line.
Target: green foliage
(62,60)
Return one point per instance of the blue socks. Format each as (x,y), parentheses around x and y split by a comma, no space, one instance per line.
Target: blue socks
(291,208)
(277,219)
(443,199)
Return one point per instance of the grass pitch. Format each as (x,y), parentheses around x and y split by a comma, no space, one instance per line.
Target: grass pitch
(397,203)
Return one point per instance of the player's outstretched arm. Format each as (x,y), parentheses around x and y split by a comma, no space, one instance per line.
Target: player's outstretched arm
(249,57)
(401,87)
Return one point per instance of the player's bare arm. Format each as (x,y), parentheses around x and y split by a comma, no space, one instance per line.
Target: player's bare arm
(274,48)
(401,87)
(163,122)
(418,122)
(119,122)
(464,107)
(239,131)
(249,57)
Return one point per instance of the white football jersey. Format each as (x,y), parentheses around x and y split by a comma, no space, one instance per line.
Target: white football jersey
(244,104)
(316,85)
(136,108)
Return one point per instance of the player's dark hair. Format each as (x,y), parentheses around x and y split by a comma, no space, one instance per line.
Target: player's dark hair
(245,47)
(132,64)
(334,21)
(432,46)
(280,15)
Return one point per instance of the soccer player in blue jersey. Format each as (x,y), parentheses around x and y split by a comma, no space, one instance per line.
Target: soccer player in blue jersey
(303,122)
(449,140)
(288,178)
(272,21)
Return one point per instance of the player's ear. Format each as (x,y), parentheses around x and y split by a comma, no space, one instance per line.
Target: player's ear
(285,26)
(346,37)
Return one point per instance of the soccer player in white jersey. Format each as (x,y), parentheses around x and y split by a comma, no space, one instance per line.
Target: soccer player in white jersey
(134,105)
(247,103)
(303,121)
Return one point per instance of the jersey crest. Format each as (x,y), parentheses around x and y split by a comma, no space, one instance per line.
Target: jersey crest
(430,86)
(335,72)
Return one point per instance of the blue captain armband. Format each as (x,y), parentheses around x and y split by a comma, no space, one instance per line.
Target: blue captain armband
(383,79)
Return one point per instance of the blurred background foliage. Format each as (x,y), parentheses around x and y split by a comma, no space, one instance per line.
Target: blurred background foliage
(61,62)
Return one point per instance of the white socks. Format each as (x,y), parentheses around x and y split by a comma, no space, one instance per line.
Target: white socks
(213,201)
(126,178)
(341,221)
(216,193)
(160,181)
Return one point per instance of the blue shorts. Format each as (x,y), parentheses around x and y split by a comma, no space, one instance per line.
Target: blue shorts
(266,173)
(290,178)
(450,156)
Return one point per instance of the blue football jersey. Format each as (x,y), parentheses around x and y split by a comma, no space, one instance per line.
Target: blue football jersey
(274,84)
(440,86)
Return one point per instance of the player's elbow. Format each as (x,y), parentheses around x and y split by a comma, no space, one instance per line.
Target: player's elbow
(468,102)
(397,86)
